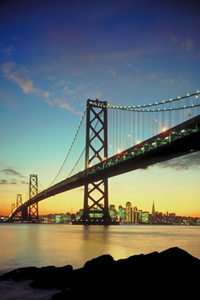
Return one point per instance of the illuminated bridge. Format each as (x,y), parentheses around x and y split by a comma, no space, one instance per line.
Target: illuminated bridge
(120,139)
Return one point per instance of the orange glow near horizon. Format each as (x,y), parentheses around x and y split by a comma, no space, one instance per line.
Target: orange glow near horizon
(173,191)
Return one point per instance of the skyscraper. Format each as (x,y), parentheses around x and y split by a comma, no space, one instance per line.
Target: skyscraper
(128,212)
(153,209)
(122,214)
(134,215)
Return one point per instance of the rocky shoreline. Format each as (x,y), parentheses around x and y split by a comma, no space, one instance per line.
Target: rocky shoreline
(173,272)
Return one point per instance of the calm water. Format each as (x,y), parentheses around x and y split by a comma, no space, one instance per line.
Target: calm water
(46,244)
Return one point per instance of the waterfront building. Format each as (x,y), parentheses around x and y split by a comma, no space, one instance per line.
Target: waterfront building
(135,215)
(139,216)
(145,217)
(113,212)
(153,209)
(172,215)
(128,212)
(121,214)
(58,218)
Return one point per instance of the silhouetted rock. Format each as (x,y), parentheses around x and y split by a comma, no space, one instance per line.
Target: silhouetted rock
(51,277)
(28,273)
(173,273)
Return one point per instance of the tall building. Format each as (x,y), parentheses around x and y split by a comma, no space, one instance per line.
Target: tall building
(113,212)
(139,215)
(134,215)
(128,212)
(153,209)
(121,214)
(145,217)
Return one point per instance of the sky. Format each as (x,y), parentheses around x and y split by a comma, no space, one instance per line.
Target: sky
(54,55)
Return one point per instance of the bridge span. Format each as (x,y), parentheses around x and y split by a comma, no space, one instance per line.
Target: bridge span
(177,141)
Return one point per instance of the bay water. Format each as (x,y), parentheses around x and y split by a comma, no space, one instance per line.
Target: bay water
(23,245)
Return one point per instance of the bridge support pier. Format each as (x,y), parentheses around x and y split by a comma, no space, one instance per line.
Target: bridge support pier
(24,211)
(95,209)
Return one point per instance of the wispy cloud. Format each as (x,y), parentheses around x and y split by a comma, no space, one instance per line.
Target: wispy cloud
(10,71)
(24,182)
(25,83)
(62,102)
(182,163)
(15,74)
(12,172)
(3,181)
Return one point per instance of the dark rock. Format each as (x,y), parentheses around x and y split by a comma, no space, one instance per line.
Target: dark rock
(100,263)
(51,277)
(28,273)
(173,273)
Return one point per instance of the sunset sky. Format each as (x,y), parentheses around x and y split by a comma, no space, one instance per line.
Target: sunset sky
(55,54)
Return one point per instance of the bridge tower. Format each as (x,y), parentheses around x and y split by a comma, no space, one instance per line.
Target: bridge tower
(12,207)
(18,200)
(18,204)
(33,191)
(96,192)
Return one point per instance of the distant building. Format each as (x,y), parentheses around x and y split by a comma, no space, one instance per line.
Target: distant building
(135,215)
(128,212)
(153,210)
(172,215)
(113,212)
(121,214)
(145,217)
(58,218)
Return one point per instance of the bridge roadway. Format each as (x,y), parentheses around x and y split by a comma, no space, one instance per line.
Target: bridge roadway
(177,141)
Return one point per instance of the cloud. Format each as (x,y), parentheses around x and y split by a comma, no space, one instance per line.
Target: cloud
(7,67)
(12,172)
(23,82)
(13,182)
(3,181)
(24,182)
(46,94)
(62,102)
(16,76)
(182,163)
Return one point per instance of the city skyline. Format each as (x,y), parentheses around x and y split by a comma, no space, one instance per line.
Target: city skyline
(55,57)
(127,214)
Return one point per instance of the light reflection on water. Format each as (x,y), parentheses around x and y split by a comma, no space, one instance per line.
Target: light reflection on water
(56,244)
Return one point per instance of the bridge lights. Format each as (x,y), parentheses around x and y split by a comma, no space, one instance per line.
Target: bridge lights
(164,129)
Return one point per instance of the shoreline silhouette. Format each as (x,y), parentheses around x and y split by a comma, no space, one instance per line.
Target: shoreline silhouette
(173,271)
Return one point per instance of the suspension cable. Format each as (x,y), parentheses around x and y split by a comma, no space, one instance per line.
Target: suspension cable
(138,107)
(72,144)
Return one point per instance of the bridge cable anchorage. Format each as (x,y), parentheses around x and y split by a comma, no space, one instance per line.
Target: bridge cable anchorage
(72,144)
(138,107)
(91,136)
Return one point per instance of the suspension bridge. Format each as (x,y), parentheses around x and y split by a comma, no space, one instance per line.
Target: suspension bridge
(119,139)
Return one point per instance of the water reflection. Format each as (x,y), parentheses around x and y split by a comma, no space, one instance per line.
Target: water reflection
(45,244)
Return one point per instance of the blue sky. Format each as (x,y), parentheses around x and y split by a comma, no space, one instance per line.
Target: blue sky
(54,55)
